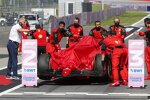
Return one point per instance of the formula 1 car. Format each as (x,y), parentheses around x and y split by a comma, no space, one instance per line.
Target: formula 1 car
(82,59)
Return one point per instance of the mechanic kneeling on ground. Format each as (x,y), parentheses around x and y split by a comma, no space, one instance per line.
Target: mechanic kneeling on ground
(96,32)
(55,37)
(118,57)
(74,32)
(41,36)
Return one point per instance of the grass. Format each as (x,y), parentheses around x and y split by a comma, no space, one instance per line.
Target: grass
(128,18)
(98,7)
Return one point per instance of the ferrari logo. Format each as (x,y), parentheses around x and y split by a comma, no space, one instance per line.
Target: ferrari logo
(40,36)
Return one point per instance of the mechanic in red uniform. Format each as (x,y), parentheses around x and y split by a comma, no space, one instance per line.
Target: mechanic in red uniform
(24,35)
(146,34)
(118,57)
(74,32)
(55,37)
(96,31)
(118,29)
(41,36)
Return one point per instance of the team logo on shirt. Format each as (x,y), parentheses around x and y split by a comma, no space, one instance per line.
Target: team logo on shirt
(40,36)
(117,42)
(79,30)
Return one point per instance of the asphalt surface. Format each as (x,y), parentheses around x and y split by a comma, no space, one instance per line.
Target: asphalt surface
(76,89)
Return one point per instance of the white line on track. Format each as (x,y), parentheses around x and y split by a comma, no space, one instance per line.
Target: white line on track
(75,93)
(10,90)
(140,20)
(132,33)
(136,24)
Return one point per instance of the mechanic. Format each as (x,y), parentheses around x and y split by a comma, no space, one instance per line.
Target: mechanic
(41,36)
(118,57)
(96,31)
(55,37)
(24,35)
(12,47)
(146,34)
(118,29)
(75,32)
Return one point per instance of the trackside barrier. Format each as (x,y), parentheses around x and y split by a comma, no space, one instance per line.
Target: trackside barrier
(136,63)
(29,62)
(87,17)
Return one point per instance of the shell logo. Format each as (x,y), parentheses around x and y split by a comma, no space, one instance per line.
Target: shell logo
(40,36)
(117,42)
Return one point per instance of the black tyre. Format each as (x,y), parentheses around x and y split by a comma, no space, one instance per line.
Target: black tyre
(103,68)
(44,67)
(98,64)
(108,66)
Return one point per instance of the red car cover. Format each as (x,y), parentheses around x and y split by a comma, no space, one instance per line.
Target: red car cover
(77,57)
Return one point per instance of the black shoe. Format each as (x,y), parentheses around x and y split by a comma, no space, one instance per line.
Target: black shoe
(8,77)
(16,78)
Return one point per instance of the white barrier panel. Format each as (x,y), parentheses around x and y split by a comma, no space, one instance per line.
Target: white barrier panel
(29,62)
(136,63)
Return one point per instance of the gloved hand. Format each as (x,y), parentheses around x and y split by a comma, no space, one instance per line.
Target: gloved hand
(67,45)
(76,36)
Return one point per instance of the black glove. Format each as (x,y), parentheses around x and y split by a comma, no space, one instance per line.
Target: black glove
(67,45)
(101,42)
(103,48)
(68,33)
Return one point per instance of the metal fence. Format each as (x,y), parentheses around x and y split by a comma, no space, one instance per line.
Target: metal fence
(87,17)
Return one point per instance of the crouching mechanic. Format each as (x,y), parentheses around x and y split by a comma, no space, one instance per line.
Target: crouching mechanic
(118,57)
(117,29)
(41,36)
(146,34)
(55,37)
(96,32)
(74,32)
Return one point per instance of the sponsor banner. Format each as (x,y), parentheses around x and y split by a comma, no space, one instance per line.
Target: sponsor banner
(136,63)
(29,62)
(29,80)
(136,71)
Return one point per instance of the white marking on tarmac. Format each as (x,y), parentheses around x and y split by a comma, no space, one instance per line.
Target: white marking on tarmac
(14,93)
(55,94)
(97,94)
(139,94)
(136,24)
(76,93)
(132,33)
(10,90)
(118,94)
(34,93)
(140,20)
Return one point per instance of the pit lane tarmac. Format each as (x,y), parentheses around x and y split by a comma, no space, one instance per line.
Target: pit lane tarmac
(74,89)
